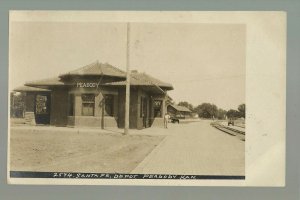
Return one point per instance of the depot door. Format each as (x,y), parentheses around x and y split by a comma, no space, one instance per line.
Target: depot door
(42,108)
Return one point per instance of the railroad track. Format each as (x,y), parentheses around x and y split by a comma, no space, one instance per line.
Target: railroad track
(241,126)
(231,131)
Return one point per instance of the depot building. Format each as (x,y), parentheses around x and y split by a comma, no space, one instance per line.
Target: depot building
(94,96)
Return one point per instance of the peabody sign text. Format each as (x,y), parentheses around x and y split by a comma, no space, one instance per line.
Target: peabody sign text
(87,85)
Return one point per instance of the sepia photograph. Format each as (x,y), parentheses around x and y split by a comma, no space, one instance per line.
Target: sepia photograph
(126,100)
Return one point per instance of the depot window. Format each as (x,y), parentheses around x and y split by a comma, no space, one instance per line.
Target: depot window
(157,104)
(88,104)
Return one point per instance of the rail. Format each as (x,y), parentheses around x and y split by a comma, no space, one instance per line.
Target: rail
(231,131)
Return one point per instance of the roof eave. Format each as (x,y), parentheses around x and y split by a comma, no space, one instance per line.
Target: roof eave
(42,86)
(31,89)
(179,109)
(168,88)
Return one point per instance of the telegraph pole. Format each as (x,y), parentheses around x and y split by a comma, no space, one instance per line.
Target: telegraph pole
(127,100)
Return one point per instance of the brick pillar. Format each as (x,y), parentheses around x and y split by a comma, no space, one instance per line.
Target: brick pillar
(78,105)
(163,107)
(30,108)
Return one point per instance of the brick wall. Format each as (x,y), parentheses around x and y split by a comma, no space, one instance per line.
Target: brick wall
(59,107)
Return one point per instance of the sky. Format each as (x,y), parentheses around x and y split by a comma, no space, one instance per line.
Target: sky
(203,62)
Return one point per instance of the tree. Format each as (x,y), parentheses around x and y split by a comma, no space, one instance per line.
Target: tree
(207,110)
(242,110)
(233,113)
(186,104)
(17,104)
(221,113)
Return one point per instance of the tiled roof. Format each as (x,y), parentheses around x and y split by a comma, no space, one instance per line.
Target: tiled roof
(143,79)
(138,79)
(29,89)
(46,82)
(97,68)
(181,108)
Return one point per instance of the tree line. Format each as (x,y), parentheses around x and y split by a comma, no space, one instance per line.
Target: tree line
(209,111)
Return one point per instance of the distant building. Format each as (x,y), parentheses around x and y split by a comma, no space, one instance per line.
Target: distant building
(94,96)
(195,115)
(179,111)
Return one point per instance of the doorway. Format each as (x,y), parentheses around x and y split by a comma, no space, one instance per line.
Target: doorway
(42,108)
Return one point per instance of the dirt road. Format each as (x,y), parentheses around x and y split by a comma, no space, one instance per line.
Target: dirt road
(55,149)
(196,148)
(193,148)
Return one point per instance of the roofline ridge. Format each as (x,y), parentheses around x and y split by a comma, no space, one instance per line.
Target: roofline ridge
(116,68)
(149,81)
(98,64)
(88,65)
(80,68)
(157,79)
(152,77)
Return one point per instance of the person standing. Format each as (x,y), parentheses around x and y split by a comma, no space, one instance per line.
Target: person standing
(166,119)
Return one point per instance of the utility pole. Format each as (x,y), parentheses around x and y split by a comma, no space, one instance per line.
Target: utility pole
(127,99)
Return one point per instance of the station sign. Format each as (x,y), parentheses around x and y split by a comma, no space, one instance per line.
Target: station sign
(87,85)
